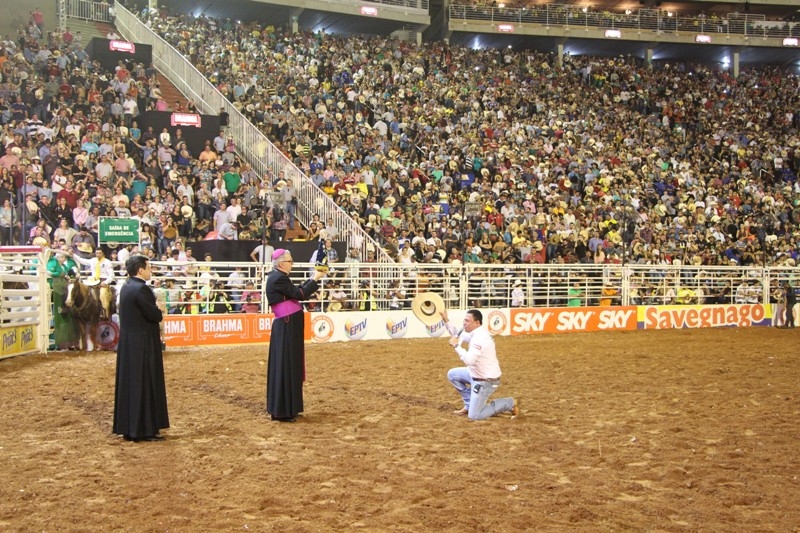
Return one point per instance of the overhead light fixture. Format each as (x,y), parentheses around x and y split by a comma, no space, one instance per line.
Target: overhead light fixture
(613,34)
(702,39)
(369,11)
(505,28)
(790,41)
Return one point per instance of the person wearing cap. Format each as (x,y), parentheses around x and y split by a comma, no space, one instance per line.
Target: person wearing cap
(140,395)
(286,365)
(476,381)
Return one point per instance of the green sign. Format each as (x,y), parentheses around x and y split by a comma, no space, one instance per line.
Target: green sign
(113,229)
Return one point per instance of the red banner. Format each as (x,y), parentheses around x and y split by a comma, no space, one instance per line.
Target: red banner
(572,319)
(205,330)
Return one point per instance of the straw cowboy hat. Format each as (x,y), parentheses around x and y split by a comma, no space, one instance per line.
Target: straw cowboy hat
(427,307)
(84,247)
(335,306)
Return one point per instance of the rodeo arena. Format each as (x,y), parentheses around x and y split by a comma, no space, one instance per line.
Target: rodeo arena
(565,168)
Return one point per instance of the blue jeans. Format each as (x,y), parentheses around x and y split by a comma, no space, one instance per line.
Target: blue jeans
(476,394)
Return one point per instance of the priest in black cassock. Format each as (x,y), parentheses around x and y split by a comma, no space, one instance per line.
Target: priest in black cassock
(140,398)
(286,367)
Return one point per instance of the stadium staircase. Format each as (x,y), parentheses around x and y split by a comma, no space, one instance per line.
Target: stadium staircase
(88,28)
(170,93)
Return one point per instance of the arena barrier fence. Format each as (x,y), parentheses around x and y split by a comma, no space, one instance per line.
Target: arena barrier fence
(213,303)
(24,301)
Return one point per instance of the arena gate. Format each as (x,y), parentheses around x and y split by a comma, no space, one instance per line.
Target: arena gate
(24,300)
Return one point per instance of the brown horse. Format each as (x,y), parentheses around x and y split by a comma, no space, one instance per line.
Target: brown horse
(88,305)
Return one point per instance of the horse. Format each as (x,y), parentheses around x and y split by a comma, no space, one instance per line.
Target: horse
(88,306)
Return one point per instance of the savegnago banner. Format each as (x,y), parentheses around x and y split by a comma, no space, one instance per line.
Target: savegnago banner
(704,316)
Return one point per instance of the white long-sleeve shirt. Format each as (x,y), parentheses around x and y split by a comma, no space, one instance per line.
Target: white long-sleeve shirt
(480,356)
(104,268)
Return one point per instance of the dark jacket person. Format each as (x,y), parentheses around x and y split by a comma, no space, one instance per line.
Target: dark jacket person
(140,399)
(286,367)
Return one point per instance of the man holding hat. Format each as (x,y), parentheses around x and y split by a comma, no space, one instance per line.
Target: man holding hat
(83,243)
(481,377)
(286,366)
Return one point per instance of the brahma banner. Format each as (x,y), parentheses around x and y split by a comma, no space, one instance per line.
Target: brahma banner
(704,316)
(572,319)
(205,330)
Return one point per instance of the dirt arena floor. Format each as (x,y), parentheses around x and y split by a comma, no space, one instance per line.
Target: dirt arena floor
(688,430)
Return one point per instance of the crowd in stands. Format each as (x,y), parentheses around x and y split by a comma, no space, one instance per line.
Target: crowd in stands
(442,153)
(445,153)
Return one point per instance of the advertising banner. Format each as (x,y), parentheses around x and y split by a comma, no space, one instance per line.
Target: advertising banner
(206,330)
(17,340)
(703,316)
(384,325)
(572,319)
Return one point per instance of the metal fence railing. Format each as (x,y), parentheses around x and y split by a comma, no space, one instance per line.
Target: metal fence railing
(202,287)
(658,21)
(375,286)
(88,10)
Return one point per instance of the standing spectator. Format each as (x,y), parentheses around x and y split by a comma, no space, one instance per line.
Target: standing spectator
(262,252)
(789,301)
